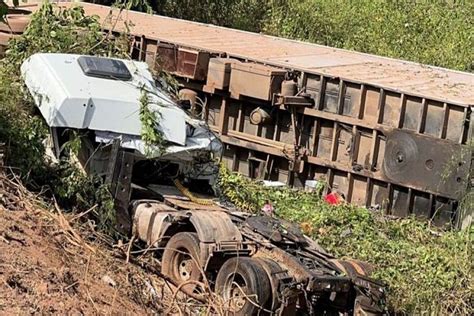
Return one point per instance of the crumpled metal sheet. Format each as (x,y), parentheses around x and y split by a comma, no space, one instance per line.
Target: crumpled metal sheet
(198,139)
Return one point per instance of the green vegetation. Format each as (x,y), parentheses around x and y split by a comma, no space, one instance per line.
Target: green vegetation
(52,30)
(427,271)
(152,137)
(439,33)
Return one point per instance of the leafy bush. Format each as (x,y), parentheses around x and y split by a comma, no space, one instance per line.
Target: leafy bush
(439,33)
(52,30)
(427,271)
(151,136)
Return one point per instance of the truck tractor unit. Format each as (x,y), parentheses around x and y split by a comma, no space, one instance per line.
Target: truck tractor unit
(164,193)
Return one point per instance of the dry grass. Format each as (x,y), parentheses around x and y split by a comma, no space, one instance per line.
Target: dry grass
(94,259)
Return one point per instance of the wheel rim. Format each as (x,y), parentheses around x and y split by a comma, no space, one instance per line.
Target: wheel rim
(183,265)
(235,292)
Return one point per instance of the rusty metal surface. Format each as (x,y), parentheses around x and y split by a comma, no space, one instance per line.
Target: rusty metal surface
(265,81)
(212,222)
(408,77)
(288,262)
(218,76)
(214,227)
(17,22)
(150,222)
(339,131)
(440,167)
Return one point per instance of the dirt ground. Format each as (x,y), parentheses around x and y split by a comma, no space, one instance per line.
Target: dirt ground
(49,267)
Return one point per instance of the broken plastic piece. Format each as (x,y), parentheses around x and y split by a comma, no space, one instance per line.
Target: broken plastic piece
(333,198)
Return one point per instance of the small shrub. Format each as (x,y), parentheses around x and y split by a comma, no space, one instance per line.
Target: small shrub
(427,271)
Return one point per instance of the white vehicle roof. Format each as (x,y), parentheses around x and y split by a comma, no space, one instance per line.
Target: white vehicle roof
(67,97)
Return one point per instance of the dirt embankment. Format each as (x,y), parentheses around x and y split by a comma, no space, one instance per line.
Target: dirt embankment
(49,267)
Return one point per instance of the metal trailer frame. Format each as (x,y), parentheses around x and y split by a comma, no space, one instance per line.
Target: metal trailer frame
(383,132)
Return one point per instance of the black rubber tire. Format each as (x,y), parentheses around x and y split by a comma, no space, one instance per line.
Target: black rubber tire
(256,285)
(182,247)
(274,272)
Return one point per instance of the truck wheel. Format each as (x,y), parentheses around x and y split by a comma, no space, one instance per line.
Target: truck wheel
(181,261)
(244,286)
(275,273)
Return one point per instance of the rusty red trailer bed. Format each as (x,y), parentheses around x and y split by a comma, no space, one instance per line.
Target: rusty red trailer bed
(381,131)
(408,77)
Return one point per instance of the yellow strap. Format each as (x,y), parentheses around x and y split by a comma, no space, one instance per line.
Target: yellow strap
(357,266)
(339,265)
(190,196)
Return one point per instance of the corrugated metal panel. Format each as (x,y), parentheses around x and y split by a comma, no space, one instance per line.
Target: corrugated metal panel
(411,78)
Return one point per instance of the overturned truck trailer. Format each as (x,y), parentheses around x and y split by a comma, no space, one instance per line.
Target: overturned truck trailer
(383,132)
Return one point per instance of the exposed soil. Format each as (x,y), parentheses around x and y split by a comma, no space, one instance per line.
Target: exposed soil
(47,267)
